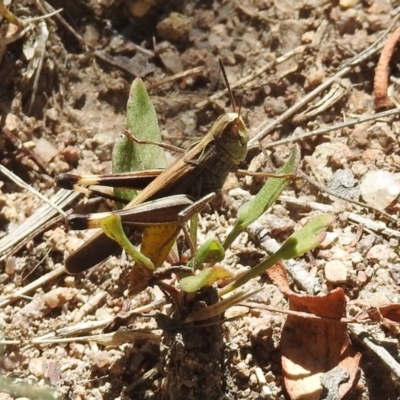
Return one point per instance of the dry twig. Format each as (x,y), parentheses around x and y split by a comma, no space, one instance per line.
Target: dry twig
(381,80)
(267,127)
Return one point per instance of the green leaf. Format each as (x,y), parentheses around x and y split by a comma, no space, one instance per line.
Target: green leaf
(265,198)
(209,252)
(142,123)
(112,227)
(305,239)
(206,277)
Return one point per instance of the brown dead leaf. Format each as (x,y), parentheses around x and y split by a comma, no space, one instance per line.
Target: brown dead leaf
(278,276)
(311,348)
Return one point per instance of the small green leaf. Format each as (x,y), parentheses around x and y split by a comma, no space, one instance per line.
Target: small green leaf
(305,239)
(206,277)
(112,227)
(265,198)
(142,123)
(209,252)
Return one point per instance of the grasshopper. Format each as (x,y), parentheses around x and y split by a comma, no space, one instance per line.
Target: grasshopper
(168,198)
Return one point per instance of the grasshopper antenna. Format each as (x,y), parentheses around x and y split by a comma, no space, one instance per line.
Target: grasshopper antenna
(240,104)
(227,85)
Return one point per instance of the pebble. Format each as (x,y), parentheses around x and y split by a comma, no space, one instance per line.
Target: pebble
(36,367)
(379,189)
(175,27)
(348,3)
(378,253)
(335,271)
(12,122)
(59,296)
(45,150)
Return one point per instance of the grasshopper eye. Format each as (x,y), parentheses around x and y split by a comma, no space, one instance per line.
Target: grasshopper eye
(242,131)
(233,137)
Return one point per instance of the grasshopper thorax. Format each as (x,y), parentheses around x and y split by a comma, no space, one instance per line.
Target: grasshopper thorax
(231,135)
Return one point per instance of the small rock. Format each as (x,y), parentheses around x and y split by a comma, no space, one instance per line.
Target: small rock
(171,60)
(69,281)
(379,300)
(103,142)
(371,155)
(366,243)
(45,150)
(358,138)
(36,367)
(330,238)
(356,258)
(6,396)
(139,8)
(52,114)
(73,243)
(56,239)
(59,296)
(77,350)
(274,106)
(175,27)
(195,57)
(236,311)
(320,160)
(343,183)
(378,253)
(335,272)
(71,154)
(242,370)
(101,359)
(348,3)
(10,265)
(362,278)
(340,254)
(91,35)
(315,77)
(379,189)
(394,272)
(12,123)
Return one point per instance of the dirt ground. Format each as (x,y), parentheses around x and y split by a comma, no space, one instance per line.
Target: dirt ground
(64,84)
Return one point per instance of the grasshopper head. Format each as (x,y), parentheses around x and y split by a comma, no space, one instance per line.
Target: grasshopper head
(231,135)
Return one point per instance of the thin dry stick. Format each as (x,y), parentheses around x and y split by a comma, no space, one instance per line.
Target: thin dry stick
(43,214)
(330,128)
(45,8)
(179,75)
(254,75)
(83,328)
(31,235)
(9,15)
(380,351)
(267,127)
(32,286)
(18,181)
(381,80)
(27,26)
(19,145)
(89,306)
(106,339)
(375,226)
(323,188)
(303,314)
